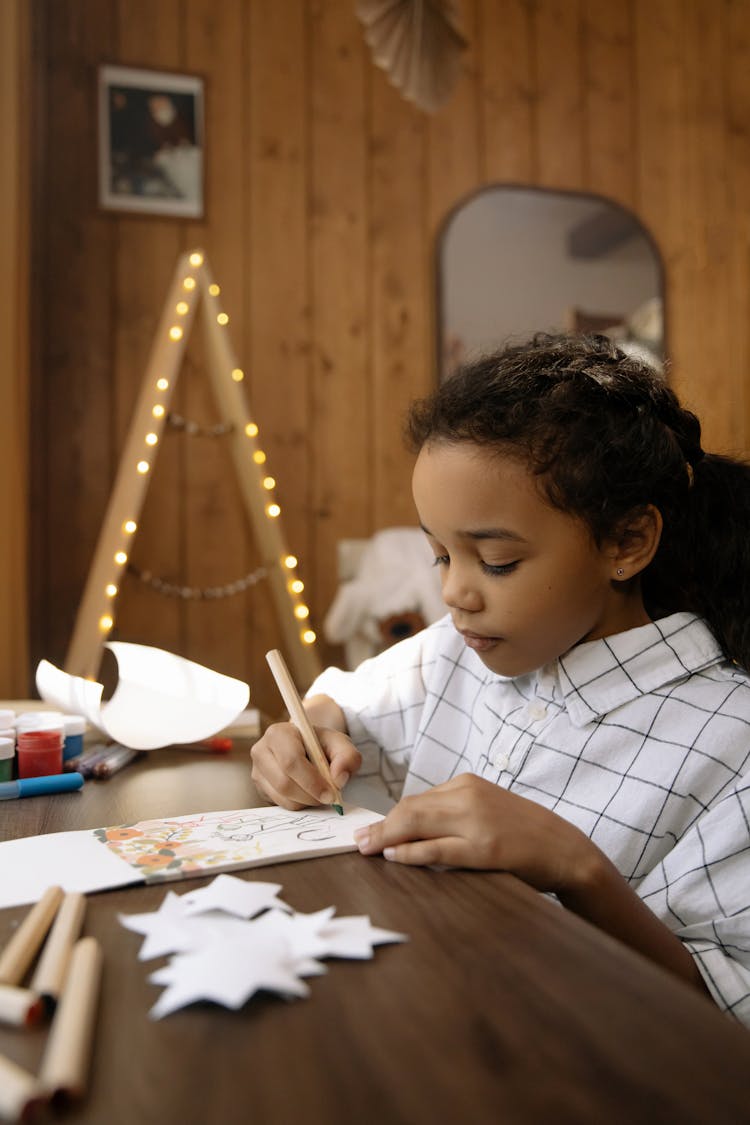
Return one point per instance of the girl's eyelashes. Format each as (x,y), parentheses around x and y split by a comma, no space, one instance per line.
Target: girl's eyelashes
(488,568)
(504,568)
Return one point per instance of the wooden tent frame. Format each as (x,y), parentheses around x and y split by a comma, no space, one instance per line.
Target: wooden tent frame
(192,284)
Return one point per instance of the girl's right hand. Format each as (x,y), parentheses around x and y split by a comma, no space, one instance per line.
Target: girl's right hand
(285,775)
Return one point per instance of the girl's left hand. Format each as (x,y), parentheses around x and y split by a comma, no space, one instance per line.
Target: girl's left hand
(469,822)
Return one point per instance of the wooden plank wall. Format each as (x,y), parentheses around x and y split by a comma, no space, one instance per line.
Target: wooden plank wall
(326,194)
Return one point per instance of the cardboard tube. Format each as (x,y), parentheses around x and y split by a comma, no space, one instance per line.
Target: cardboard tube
(66,1059)
(19,1007)
(22,947)
(53,963)
(19,1091)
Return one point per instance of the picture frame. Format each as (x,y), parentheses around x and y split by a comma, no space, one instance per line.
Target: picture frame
(151,142)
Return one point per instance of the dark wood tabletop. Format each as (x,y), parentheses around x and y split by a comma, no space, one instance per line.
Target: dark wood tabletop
(502,1007)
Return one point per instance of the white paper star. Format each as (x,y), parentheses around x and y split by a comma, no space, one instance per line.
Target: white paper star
(234,896)
(228,973)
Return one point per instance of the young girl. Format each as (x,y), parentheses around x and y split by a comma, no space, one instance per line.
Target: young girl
(582,716)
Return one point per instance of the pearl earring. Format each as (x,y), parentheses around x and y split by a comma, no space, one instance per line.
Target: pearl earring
(620,572)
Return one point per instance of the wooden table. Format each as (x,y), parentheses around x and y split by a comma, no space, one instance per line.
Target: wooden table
(501,1008)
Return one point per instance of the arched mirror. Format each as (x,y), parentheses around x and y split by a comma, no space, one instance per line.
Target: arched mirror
(517,260)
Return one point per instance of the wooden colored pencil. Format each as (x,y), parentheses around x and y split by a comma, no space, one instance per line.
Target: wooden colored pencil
(66,1060)
(19,1091)
(22,947)
(298,715)
(53,963)
(20,1007)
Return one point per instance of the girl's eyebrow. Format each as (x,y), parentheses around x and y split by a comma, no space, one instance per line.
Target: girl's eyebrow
(484,533)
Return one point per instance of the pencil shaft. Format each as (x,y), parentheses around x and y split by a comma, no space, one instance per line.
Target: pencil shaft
(19,1007)
(298,715)
(66,1059)
(53,963)
(22,947)
(17,1089)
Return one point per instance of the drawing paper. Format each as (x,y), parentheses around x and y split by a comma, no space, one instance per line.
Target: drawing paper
(152,851)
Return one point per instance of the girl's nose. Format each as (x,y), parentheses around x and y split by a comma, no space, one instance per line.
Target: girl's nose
(459,593)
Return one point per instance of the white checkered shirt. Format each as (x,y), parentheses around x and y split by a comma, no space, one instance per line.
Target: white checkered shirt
(641,739)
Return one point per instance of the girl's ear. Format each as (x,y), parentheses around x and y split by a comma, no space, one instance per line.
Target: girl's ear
(635,545)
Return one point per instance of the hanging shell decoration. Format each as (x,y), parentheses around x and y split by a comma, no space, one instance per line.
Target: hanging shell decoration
(418,44)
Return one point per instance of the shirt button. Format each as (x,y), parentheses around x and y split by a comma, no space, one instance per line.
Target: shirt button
(501,761)
(536,710)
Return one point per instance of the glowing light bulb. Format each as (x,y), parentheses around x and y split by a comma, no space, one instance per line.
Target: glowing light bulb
(110,589)
(259,457)
(251,429)
(238,374)
(188,283)
(290,562)
(272,511)
(301,612)
(105,623)
(129,526)
(158,411)
(222,318)
(181,308)
(308,637)
(151,439)
(121,558)
(143,467)
(296,586)
(162,384)
(269,483)
(175,333)
(214,289)
(195,259)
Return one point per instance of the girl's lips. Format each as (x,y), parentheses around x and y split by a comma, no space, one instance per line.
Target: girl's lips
(479,644)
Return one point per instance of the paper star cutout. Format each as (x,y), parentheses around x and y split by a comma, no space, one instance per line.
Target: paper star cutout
(227,973)
(234,896)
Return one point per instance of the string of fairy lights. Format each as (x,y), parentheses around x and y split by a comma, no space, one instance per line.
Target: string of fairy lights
(159,415)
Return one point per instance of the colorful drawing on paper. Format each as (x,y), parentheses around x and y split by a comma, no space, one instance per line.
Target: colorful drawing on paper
(190,845)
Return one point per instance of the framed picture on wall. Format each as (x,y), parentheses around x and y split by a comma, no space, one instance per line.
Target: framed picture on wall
(151,142)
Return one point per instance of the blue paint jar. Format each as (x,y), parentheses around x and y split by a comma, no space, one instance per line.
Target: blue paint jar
(75,728)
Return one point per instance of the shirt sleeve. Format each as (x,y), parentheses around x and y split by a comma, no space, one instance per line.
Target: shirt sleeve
(701,891)
(382,701)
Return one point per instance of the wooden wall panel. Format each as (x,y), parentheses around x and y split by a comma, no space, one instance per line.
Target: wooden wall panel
(559,93)
(146,252)
(325,193)
(609,113)
(341,404)
(400,292)
(215,526)
(74,323)
(277,312)
(507,81)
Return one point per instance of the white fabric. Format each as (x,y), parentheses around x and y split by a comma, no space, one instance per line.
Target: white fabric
(396,574)
(641,739)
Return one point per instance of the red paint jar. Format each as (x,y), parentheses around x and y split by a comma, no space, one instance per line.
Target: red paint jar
(39,752)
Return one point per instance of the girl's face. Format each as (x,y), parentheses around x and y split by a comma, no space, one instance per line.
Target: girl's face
(524,582)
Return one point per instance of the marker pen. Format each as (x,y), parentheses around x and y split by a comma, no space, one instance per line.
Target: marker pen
(40,786)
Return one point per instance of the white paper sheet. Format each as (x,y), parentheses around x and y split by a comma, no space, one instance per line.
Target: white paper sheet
(180,847)
(160,698)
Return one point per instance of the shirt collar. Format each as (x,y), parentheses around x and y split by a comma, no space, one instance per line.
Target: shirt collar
(598,676)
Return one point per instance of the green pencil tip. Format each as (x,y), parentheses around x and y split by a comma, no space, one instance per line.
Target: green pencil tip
(339,809)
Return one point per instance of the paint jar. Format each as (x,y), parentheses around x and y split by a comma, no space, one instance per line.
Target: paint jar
(7,758)
(75,728)
(7,719)
(39,720)
(40,752)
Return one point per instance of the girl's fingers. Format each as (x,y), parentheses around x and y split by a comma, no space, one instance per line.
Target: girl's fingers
(445,851)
